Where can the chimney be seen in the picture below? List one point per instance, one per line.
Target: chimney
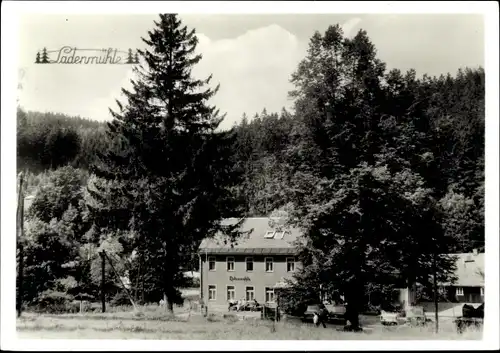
(474, 252)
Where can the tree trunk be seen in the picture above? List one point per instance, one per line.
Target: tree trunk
(352, 315)
(354, 306)
(168, 300)
(168, 292)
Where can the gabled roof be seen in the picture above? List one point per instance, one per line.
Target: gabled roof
(470, 270)
(253, 239)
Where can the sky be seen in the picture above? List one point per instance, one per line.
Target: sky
(431, 44)
(252, 57)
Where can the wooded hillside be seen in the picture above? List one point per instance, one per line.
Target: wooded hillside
(362, 153)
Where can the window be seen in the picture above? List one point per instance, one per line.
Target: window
(269, 295)
(482, 291)
(230, 293)
(212, 292)
(279, 235)
(211, 263)
(230, 263)
(269, 234)
(269, 264)
(460, 291)
(250, 293)
(290, 264)
(249, 262)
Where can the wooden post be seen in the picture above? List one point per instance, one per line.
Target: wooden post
(118, 276)
(436, 305)
(20, 281)
(200, 267)
(276, 311)
(20, 239)
(277, 305)
(103, 281)
(142, 280)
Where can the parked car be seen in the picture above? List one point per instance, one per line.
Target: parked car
(251, 306)
(320, 309)
(244, 306)
(471, 317)
(336, 312)
(392, 317)
(309, 313)
(413, 315)
(371, 310)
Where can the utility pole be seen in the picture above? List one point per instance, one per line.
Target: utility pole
(20, 239)
(118, 276)
(436, 305)
(200, 268)
(103, 281)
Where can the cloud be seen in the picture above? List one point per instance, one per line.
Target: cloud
(253, 71)
(349, 26)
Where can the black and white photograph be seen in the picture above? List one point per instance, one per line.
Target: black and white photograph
(324, 173)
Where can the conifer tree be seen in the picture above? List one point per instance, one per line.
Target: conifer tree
(170, 161)
(130, 58)
(45, 56)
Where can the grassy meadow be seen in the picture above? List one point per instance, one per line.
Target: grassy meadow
(153, 323)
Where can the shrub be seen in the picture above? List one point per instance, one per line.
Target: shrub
(53, 302)
(230, 318)
(294, 302)
(121, 298)
(213, 318)
(195, 282)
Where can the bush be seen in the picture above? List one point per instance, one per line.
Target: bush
(294, 303)
(231, 318)
(53, 302)
(213, 318)
(195, 282)
(121, 298)
(370, 309)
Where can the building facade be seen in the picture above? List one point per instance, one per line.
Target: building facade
(266, 254)
(467, 288)
(469, 284)
(249, 269)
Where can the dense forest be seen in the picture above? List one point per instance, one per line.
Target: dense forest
(364, 152)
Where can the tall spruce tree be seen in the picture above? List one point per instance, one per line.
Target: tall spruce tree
(171, 163)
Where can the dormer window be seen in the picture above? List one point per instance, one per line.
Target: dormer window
(269, 234)
(279, 235)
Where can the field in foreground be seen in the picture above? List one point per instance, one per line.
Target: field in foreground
(109, 326)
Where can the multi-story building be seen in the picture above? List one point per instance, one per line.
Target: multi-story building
(251, 267)
(266, 254)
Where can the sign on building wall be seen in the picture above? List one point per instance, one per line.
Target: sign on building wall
(246, 279)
